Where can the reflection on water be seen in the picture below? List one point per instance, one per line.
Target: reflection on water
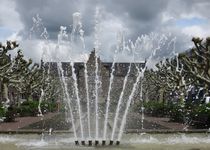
(129, 141)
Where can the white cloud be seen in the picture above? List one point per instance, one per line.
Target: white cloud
(110, 27)
(198, 31)
(50, 51)
(14, 37)
(126, 17)
(166, 17)
(9, 18)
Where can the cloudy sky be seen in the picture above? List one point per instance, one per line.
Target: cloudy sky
(151, 20)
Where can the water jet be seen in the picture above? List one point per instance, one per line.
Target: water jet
(90, 143)
(76, 142)
(103, 142)
(111, 142)
(96, 142)
(83, 142)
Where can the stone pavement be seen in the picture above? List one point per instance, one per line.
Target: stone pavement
(165, 122)
(153, 123)
(21, 122)
(133, 123)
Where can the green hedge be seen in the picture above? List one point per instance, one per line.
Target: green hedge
(30, 108)
(197, 115)
(177, 112)
(155, 108)
(200, 116)
(2, 111)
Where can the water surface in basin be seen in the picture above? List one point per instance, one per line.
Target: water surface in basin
(129, 142)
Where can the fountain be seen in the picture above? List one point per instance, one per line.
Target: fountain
(73, 102)
(70, 100)
(118, 105)
(96, 113)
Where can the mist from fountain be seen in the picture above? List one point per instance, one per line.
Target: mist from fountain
(142, 105)
(77, 24)
(63, 92)
(39, 28)
(77, 99)
(141, 43)
(68, 99)
(88, 99)
(140, 74)
(119, 103)
(147, 42)
(187, 88)
(40, 101)
(108, 99)
(62, 42)
(97, 80)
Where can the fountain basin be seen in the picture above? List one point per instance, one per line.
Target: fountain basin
(174, 141)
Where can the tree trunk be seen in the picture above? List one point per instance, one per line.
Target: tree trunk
(147, 96)
(161, 93)
(5, 94)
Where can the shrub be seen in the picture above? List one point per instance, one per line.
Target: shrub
(177, 112)
(157, 109)
(48, 107)
(195, 115)
(30, 108)
(200, 116)
(2, 111)
(10, 114)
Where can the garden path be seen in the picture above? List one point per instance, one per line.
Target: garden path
(21, 122)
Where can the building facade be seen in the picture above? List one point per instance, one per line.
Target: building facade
(104, 73)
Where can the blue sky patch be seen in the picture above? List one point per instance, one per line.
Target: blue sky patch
(190, 22)
(5, 32)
